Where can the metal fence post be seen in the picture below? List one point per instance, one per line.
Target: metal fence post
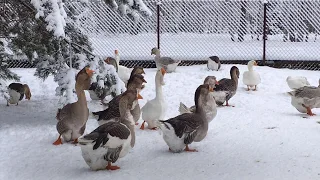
(158, 24)
(265, 3)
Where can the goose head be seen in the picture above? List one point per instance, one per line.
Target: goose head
(136, 82)
(112, 61)
(137, 70)
(155, 51)
(211, 80)
(251, 64)
(201, 94)
(83, 78)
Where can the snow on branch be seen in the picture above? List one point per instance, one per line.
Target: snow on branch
(53, 13)
(66, 79)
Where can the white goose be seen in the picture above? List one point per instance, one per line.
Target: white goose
(251, 78)
(156, 108)
(297, 82)
(123, 72)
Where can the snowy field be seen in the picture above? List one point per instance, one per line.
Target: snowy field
(262, 137)
(192, 46)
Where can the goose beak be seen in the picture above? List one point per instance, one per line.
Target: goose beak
(139, 96)
(217, 83)
(163, 71)
(89, 72)
(211, 89)
(143, 80)
(255, 63)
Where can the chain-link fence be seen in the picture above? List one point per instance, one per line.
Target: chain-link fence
(284, 33)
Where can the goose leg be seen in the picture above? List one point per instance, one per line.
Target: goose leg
(309, 112)
(17, 104)
(190, 150)
(227, 104)
(110, 167)
(7, 103)
(58, 141)
(255, 87)
(75, 141)
(142, 125)
(248, 88)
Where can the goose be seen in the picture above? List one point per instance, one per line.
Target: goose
(16, 93)
(123, 72)
(72, 118)
(156, 108)
(167, 63)
(182, 130)
(251, 78)
(227, 88)
(112, 113)
(210, 107)
(296, 82)
(306, 98)
(113, 140)
(214, 63)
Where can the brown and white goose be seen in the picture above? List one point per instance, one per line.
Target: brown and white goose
(227, 88)
(16, 92)
(210, 107)
(112, 113)
(72, 118)
(112, 140)
(182, 130)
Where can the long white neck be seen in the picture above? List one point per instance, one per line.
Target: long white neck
(158, 87)
(157, 55)
(250, 67)
(117, 58)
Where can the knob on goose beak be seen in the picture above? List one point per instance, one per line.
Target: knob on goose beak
(163, 71)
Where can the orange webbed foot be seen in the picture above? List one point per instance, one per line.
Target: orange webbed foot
(58, 141)
(75, 141)
(309, 112)
(110, 167)
(190, 150)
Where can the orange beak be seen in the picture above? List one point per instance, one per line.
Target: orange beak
(255, 63)
(217, 83)
(89, 72)
(163, 71)
(211, 89)
(139, 96)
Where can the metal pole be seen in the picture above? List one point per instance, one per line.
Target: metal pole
(158, 24)
(264, 32)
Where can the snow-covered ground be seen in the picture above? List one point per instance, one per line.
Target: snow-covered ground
(262, 137)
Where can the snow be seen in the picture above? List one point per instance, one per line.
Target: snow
(54, 14)
(262, 137)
